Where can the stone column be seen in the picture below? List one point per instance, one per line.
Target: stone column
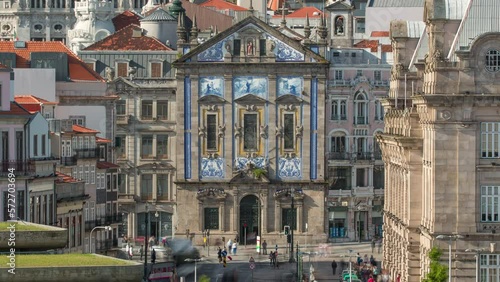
(222, 215)
(300, 216)
(235, 212)
(264, 213)
(200, 215)
(277, 216)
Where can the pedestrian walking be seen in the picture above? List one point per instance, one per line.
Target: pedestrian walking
(141, 251)
(235, 246)
(219, 254)
(153, 256)
(271, 254)
(224, 255)
(334, 267)
(373, 245)
(229, 245)
(371, 279)
(379, 245)
(131, 252)
(264, 247)
(398, 278)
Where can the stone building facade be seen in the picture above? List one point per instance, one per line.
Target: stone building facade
(249, 108)
(441, 150)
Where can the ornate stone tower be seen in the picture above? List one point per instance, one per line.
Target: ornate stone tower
(93, 23)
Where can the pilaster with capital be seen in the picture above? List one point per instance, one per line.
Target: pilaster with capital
(235, 211)
(264, 212)
(277, 216)
(222, 215)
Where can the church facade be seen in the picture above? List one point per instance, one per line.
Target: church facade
(440, 146)
(249, 106)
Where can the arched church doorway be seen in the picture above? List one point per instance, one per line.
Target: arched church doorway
(249, 220)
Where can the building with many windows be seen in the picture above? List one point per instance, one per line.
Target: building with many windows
(249, 107)
(440, 148)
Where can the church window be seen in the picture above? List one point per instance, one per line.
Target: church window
(490, 139)
(288, 131)
(250, 132)
(211, 218)
(211, 132)
(237, 47)
(493, 60)
(490, 208)
(289, 217)
(262, 47)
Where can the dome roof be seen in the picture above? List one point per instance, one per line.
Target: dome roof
(159, 15)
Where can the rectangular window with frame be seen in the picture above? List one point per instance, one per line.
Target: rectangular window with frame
(146, 186)
(162, 146)
(147, 146)
(359, 73)
(122, 183)
(20, 205)
(122, 69)
(35, 145)
(121, 107)
(289, 217)
(490, 207)
(162, 109)
(378, 177)
(490, 139)
(250, 125)
(360, 177)
(339, 109)
(288, 131)
(147, 110)
(360, 25)
(377, 75)
(211, 132)
(489, 267)
(5, 145)
(237, 47)
(339, 75)
(156, 70)
(338, 144)
(92, 174)
(120, 146)
(340, 178)
(211, 218)
(108, 182)
(162, 186)
(20, 145)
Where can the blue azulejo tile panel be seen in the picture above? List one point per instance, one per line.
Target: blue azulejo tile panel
(213, 54)
(290, 168)
(241, 163)
(290, 85)
(211, 85)
(285, 53)
(256, 85)
(212, 168)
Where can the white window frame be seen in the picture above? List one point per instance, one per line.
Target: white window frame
(86, 175)
(492, 60)
(489, 267)
(92, 174)
(338, 75)
(150, 67)
(490, 140)
(490, 203)
(379, 111)
(338, 105)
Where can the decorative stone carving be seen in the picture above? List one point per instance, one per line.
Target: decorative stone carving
(299, 130)
(110, 74)
(263, 131)
(446, 115)
(238, 131)
(212, 108)
(251, 108)
(279, 131)
(222, 130)
(202, 131)
(290, 108)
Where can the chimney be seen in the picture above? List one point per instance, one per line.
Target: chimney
(137, 32)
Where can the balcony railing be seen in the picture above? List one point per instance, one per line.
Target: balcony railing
(363, 156)
(339, 117)
(87, 153)
(360, 120)
(68, 161)
(339, 156)
(19, 168)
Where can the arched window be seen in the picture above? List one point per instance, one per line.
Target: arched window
(339, 25)
(360, 108)
(493, 60)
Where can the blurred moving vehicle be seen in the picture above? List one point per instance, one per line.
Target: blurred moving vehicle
(182, 249)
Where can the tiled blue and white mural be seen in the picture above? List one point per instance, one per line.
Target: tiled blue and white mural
(290, 85)
(211, 85)
(255, 85)
(241, 163)
(212, 168)
(289, 168)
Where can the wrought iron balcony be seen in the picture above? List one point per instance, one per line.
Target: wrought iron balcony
(339, 156)
(360, 120)
(68, 161)
(89, 153)
(363, 155)
(18, 168)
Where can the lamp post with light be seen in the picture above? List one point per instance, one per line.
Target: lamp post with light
(477, 253)
(449, 238)
(107, 228)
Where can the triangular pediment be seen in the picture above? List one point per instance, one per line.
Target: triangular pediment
(211, 99)
(250, 99)
(123, 84)
(289, 99)
(237, 39)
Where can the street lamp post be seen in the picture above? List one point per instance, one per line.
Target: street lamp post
(107, 228)
(157, 215)
(477, 253)
(294, 221)
(449, 238)
(146, 244)
(195, 261)
(350, 265)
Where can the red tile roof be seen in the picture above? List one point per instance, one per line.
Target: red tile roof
(380, 34)
(387, 48)
(77, 68)
(372, 44)
(15, 109)
(106, 165)
(123, 40)
(31, 99)
(125, 19)
(312, 12)
(222, 5)
(81, 129)
(102, 140)
(64, 178)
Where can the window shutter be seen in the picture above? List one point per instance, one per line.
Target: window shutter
(156, 70)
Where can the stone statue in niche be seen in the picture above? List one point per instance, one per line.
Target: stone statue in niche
(339, 25)
(250, 47)
(270, 45)
(222, 130)
(228, 48)
(110, 74)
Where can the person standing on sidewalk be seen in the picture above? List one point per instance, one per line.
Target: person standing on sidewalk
(141, 251)
(373, 245)
(264, 247)
(334, 267)
(235, 246)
